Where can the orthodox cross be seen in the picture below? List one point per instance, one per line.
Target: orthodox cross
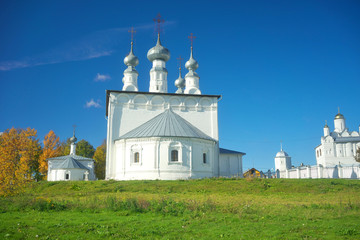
(191, 38)
(338, 109)
(179, 60)
(132, 31)
(158, 21)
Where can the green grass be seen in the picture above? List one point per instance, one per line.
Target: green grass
(194, 209)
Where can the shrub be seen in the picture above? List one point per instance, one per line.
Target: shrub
(42, 204)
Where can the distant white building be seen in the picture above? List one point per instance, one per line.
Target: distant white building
(282, 162)
(71, 167)
(339, 146)
(335, 156)
(161, 135)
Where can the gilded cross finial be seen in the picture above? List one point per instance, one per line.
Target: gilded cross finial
(179, 61)
(191, 37)
(338, 109)
(132, 31)
(158, 21)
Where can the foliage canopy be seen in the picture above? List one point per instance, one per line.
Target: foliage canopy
(100, 160)
(19, 159)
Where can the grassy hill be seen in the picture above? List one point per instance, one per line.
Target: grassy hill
(194, 209)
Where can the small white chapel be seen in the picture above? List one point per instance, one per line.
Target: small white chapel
(161, 135)
(71, 167)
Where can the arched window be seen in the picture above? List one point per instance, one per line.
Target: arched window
(67, 176)
(204, 158)
(174, 156)
(136, 157)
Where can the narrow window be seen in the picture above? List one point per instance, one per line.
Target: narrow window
(67, 176)
(136, 157)
(174, 156)
(204, 157)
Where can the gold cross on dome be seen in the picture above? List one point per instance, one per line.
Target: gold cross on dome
(132, 31)
(158, 21)
(191, 37)
(179, 61)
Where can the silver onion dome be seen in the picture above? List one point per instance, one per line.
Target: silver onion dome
(131, 59)
(191, 64)
(158, 52)
(73, 139)
(180, 82)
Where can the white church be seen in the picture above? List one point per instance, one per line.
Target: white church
(335, 156)
(161, 135)
(71, 167)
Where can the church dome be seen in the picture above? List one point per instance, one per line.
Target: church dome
(131, 59)
(191, 64)
(282, 154)
(158, 52)
(339, 116)
(180, 82)
(73, 139)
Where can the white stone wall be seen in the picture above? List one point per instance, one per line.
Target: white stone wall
(155, 159)
(59, 174)
(352, 172)
(230, 165)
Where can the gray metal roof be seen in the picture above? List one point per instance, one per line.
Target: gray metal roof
(73, 156)
(227, 151)
(67, 163)
(347, 139)
(166, 124)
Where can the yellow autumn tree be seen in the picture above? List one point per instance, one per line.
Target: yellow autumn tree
(52, 148)
(19, 156)
(100, 160)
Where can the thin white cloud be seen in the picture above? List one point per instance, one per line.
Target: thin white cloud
(92, 103)
(95, 45)
(10, 65)
(102, 77)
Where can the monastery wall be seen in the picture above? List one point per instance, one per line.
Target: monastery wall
(349, 172)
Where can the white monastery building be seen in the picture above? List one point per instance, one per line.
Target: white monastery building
(161, 135)
(339, 146)
(71, 167)
(335, 156)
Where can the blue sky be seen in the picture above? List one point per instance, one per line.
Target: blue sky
(282, 67)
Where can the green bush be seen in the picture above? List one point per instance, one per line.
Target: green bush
(42, 204)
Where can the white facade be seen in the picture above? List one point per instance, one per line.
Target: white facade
(129, 110)
(230, 163)
(161, 135)
(339, 146)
